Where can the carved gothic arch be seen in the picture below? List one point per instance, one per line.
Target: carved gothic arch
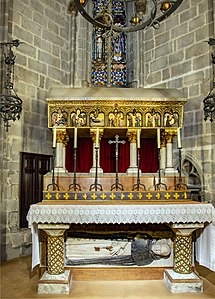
(194, 175)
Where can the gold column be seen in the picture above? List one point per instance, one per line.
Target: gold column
(55, 246)
(182, 247)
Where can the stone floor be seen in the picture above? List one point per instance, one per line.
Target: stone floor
(17, 281)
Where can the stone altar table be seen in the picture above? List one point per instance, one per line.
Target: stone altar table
(55, 217)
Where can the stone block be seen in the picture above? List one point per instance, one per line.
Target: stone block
(16, 239)
(200, 62)
(188, 14)
(23, 35)
(42, 44)
(177, 31)
(37, 67)
(55, 284)
(195, 50)
(40, 19)
(197, 22)
(183, 283)
(176, 57)
(181, 69)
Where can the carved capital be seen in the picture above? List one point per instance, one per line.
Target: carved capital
(169, 134)
(62, 136)
(93, 134)
(131, 134)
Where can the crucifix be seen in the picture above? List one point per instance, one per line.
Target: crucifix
(117, 185)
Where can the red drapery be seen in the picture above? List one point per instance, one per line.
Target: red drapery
(84, 162)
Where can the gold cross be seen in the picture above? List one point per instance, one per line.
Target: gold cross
(85, 196)
(103, 196)
(167, 195)
(176, 195)
(122, 196)
(57, 196)
(130, 196)
(112, 196)
(140, 196)
(158, 195)
(66, 196)
(149, 195)
(48, 196)
(185, 195)
(94, 196)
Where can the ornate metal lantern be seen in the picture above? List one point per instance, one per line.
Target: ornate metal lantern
(10, 103)
(209, 101)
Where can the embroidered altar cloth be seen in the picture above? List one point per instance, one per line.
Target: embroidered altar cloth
(123, 213)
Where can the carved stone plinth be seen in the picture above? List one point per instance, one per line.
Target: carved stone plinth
(183, 283)
(55, 284)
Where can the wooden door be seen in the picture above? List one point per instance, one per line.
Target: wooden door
(32, 169)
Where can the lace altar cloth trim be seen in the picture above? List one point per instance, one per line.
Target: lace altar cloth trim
(155, 213)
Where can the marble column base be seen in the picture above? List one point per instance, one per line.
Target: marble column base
(55, 284)
(183, 283)
(171, 171)
(132, 170)
(93, 170)
(60, 170)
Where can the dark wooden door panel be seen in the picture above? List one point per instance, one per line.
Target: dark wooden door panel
(32, 169)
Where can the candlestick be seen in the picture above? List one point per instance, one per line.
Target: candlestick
(97, 137)
(54, 137)
(158, 138)
(75, 137)
(179, 137)
(138, 138)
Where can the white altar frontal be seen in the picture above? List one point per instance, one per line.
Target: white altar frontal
(142, 208)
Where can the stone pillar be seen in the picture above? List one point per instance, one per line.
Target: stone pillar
(93, 135)
(169, 135)
(62, 138)
(55, 280)
(132, 138)
(182, 278)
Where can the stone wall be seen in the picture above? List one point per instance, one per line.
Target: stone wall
(42, 61)
(178, 56)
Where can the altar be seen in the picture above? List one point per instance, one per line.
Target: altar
(133, 192)
(56, 218)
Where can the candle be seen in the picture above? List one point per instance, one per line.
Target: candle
(179, 137)
(97, 137)
(75, 137)
(158, 138)
(54, 137)
(138, 138)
